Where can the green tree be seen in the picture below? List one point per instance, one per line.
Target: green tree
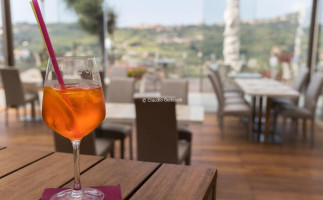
(90, 17)
(112, 23)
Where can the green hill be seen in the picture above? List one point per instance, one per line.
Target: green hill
(143, 43)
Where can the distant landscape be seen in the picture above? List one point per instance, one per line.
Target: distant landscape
(142, 43)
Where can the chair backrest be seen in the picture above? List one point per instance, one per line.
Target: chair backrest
(218, 81)
(313, 91)
(218, 92)
(12, 85)
(121, 90)
(176, 88)
(223, 71)
(157, 136)
(119, 72)
(63, 144)
(218, 78)
(301, 80)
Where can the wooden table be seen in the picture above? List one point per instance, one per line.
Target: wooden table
(125, 113)
(262, 88)
(25, 175)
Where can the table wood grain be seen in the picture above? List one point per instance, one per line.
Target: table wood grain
(138, 180)
(14, 159)
(50, 172)
(178, 182)
(129, 174)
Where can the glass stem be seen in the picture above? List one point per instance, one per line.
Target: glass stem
(77, 181)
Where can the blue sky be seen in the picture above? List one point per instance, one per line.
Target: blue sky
(159, 12)
(166, 12)
(55, 11)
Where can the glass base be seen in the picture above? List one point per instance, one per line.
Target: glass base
(84, 194)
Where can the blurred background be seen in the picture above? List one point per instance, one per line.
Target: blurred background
(186, 33)
(171, 38)
(145, 31)
(155, 41)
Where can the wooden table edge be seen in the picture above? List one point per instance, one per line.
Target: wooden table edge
(272, 96)
(212, 187)
(268, 96)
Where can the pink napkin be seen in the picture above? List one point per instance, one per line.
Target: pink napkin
(110, 192)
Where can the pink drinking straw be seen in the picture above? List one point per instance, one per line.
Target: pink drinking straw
(43, 30)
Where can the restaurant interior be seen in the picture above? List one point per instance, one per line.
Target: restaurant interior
(210, 99)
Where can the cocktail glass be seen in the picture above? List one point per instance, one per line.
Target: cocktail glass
(74, 111)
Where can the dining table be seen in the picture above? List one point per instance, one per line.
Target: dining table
(265, 88)
(125, 113)
(25, 174)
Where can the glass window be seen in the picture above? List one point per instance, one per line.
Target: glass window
(1, 39)
(153, 34)
(274, 37)
(273, 34)
(319, 57)
(67, 36)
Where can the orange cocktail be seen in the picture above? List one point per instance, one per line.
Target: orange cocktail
(74, 111)
(73, 106)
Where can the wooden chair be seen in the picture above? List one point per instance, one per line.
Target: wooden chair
(229, 97)
(228, 93)
(225, 108)
(15, 93)
(121, 90)
(307, 112)
(157, 135)
(299, 85)
(175, 88)
(89, 145)
(280, 103)
(119, 72)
